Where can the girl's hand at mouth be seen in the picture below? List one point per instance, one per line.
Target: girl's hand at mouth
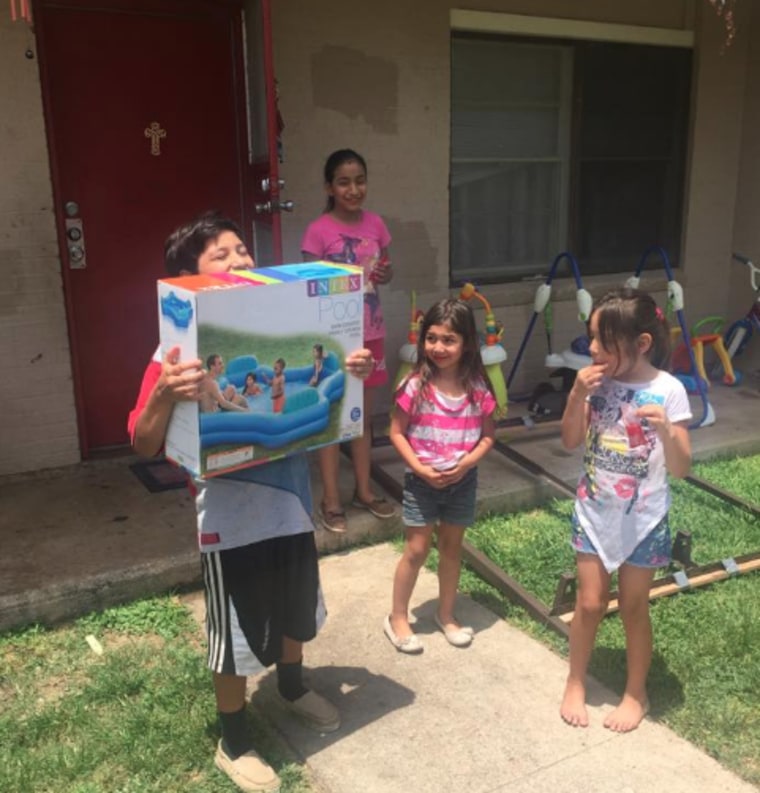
(589, 379)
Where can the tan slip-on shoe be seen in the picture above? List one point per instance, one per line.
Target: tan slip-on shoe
(379, 507)
(459, 637)
(248, 771)
(411, 645)
(333, 520)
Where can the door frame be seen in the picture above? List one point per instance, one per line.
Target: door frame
(264, 221)
(238, 78)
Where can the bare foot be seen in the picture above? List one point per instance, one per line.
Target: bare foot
(573, 707)
(627, 715)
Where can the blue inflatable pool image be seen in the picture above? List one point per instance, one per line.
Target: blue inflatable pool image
(306, 410)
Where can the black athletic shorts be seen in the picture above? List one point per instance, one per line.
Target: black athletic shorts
(255, 595)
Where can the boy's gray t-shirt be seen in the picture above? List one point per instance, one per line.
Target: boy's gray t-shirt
(254, 504)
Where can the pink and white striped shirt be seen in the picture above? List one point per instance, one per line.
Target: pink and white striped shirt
(443, 429)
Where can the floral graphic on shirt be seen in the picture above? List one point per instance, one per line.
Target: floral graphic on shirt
(618, 446)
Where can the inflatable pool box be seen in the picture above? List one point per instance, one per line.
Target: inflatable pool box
(287, 309)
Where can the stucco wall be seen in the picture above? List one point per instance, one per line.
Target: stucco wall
(37, 416)
(379, 82)
(719, 93)
(747, 228)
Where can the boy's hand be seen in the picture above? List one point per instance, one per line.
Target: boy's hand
(179, 380)
(360, 363)
(589, 379)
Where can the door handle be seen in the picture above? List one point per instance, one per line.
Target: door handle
(269, 207)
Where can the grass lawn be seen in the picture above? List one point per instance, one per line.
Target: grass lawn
(705, 677)
(138, 718)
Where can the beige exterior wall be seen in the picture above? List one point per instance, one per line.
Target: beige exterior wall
(379, 82)
(37, 417)
(719, 91)
(747, 228)
(375, 77)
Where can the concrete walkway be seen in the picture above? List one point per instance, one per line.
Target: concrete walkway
(481, 720)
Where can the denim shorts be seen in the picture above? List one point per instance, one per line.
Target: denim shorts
(425, 505)
(653, 551)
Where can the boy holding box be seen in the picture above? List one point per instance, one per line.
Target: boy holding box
(261, 579)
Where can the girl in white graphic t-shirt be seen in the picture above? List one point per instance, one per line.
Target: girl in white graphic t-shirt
(634, 419)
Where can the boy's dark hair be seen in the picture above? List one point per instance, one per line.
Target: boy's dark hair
(458, 316)
(185, 245)
(334, 161)
(211, 360)
(281, 361)
(623, 315)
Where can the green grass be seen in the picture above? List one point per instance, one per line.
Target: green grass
(297, 349)
(705, 677)
(138, 718)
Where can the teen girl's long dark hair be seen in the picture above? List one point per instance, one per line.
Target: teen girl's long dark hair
(334, 161)
(457, 315)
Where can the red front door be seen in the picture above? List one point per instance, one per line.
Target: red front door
(145, 107)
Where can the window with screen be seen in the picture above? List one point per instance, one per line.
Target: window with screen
(564, 145)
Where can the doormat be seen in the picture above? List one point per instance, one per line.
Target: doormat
(159, 475)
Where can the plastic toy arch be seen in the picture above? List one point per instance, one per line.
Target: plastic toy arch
(492, 352)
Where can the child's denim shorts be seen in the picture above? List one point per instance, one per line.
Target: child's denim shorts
(653, 551)
(425, 505)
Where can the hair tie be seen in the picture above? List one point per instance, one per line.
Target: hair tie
(658, 313)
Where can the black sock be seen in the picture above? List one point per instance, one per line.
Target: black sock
(235, 738)
(290, 680)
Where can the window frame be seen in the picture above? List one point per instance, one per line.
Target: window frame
(562, 32)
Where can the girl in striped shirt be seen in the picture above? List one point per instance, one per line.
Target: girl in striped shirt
(442, 426)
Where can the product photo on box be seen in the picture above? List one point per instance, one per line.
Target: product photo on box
(273, 343)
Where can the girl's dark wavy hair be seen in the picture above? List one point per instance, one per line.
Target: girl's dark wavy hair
(623, 315)
(458, 316)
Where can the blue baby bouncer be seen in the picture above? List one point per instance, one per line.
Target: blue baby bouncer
(675, 304)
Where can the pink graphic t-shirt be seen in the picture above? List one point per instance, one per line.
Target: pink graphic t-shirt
(357, 243)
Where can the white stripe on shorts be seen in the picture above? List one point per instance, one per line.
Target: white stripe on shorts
(217, 612)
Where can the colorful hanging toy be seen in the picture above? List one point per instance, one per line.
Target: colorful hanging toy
(408, 352)
(492, 353)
